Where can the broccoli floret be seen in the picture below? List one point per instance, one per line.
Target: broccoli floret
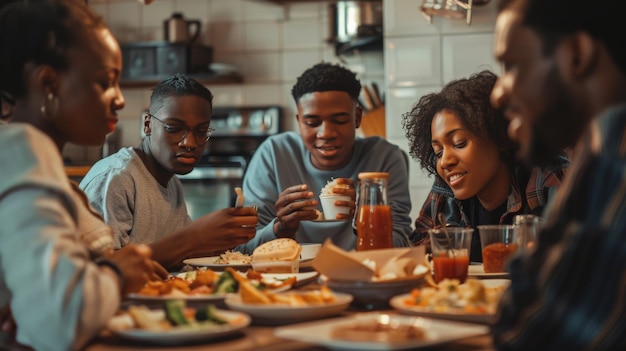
(175, 312)
(226, 283)
(209, 313)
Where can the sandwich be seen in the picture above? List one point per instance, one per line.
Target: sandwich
(277, 256)
(283, 249)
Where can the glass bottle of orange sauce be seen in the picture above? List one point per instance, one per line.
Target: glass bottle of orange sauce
(373, 220)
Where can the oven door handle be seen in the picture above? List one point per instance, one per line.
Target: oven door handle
(208, 173)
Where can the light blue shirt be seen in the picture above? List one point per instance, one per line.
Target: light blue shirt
(282, 161)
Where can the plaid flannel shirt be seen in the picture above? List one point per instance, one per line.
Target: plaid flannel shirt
(538, 187)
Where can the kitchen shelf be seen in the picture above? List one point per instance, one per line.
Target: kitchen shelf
(206, 79)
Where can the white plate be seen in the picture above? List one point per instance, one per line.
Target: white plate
(301, 279)
(210, 263)
(437, 332)
(189, 298)
(397, 302)
(283, 314)
(237, 321)
(477, 271)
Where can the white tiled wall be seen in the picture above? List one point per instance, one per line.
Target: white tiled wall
(421, 57)
(270, 44)
(273, 44)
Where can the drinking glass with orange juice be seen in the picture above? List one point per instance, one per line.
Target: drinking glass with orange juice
(373, 217)
(450, 250)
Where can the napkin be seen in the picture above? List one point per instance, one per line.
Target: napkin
(366, 266)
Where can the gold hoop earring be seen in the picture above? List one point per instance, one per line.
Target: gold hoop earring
(48, 112)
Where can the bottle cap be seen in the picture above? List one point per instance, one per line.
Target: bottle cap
(373, 175)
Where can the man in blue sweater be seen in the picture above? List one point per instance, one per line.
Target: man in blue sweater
(288, 171)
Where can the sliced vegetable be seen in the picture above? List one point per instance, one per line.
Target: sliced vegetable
(175, 312)
(226, 283)
(209, 314)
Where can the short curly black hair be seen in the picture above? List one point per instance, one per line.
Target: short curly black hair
(326, 77)
(467, 98)
(178, 85)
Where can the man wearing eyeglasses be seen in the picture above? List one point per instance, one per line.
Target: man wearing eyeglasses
(138, 195)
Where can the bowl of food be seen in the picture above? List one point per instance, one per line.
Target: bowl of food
(374, 295)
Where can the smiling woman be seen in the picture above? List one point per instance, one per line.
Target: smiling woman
(458, 136)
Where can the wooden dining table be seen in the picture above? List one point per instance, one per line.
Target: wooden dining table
(262, 338)
(253, 338)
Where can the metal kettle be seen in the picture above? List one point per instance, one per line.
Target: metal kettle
(179, 30)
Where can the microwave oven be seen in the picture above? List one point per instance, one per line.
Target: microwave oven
(160, 59)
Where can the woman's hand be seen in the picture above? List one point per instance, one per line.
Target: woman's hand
(136, 266)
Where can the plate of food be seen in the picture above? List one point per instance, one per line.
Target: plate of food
(279, 250)
(379, 331)
(478, 271)
(474, 301)
(205, 285)
(233, 259)
(287, 307)
(176, 324)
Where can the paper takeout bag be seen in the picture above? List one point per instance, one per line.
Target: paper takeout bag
(338, 264)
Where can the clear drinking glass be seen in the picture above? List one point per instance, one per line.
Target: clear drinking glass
(450, 249)
(527, 230)
(498, 242)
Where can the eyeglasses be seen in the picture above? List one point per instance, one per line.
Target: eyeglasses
(177, 132)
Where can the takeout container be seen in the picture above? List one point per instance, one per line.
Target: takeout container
(309, 250)
(330, 209)
(372, 277)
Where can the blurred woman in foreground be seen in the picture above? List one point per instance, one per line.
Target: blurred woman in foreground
(59, 75)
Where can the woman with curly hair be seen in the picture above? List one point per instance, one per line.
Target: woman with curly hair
(458, 137)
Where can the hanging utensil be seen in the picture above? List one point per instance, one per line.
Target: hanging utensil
(369, 100)
(376, 95)
(362, 104)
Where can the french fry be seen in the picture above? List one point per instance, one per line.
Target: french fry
(240, 198)
(250, 294)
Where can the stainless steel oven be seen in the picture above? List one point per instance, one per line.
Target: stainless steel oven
(238, 133)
